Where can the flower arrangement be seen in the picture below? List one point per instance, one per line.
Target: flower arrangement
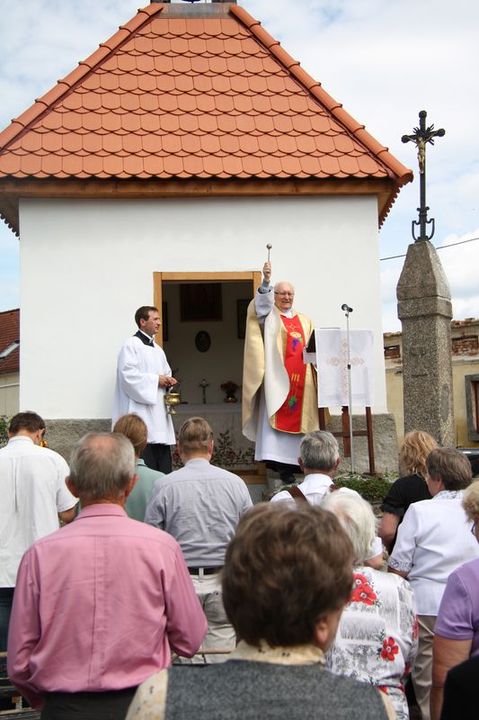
(229, 388)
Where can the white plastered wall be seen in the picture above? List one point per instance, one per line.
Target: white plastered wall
(86, 265)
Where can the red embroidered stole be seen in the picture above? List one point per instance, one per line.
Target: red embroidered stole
(288, 417)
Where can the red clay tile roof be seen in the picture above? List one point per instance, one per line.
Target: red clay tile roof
(210, 95)
(9, 333)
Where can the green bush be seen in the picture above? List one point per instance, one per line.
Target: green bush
(4, 422)
(371, 487)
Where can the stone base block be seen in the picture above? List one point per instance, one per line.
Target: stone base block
(62, 435)
(384, 440)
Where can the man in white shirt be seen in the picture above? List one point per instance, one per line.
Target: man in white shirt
(35, 499)
(143, 376)
(319, 461)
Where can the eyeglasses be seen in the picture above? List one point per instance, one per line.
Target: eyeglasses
(284, 294)
(473, 528)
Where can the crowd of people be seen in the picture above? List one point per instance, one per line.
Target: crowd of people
(117, 572)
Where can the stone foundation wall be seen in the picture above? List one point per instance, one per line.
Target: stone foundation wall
(63, 434)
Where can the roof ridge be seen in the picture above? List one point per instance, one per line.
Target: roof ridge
(67, 83)
(400, 171)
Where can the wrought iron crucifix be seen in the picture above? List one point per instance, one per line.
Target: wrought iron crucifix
(420, 137)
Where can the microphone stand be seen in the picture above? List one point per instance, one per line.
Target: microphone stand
(347, 310)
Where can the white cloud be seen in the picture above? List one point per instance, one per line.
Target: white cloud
(460, 265)
(459, 262)
(43, 40)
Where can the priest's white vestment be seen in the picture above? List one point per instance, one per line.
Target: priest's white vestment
(137, 390)
(266, 383)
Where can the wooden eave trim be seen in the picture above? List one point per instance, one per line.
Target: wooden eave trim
(9, 212)
(71, 188)
(11, 190)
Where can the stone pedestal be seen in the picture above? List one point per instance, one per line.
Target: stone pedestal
(424, 308)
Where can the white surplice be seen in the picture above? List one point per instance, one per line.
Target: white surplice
(137, 390)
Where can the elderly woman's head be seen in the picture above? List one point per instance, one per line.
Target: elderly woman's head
(357, 518)
(287, 575)
(470, 502)
(447, 469)
(413, 452)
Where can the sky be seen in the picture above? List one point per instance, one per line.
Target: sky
(384, 61)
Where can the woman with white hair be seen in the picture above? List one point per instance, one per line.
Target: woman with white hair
(376, 640)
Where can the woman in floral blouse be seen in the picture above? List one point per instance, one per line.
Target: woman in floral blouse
(377, 637)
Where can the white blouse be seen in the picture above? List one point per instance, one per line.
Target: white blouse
(433, 539)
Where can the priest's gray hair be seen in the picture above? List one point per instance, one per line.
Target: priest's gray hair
(356, 516)
(279, 284)
(101, 465)
(319, 450)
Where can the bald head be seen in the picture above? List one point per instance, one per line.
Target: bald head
(101, 467)
(283, 295)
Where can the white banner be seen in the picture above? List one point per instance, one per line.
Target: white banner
(332, 364)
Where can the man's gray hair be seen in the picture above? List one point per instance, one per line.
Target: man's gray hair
(319, 450)
(356, 516)
(101, 465)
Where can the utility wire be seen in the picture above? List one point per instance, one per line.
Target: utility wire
(439, 247)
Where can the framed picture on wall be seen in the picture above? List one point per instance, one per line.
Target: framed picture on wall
(241, 310)
(200, 301)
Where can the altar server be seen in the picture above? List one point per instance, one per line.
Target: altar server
(143, 375)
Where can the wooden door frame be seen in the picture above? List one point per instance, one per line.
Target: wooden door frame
(253, 276)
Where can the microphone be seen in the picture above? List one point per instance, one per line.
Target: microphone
(345, 308)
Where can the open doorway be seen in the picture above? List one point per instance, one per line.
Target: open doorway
(203, 320)
(206, 344)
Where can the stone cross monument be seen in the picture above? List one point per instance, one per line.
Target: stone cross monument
(425, 311)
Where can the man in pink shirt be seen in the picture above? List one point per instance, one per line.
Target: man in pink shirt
(99, 603)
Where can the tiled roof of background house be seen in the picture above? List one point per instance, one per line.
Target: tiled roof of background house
(176, 94)
(9, 341)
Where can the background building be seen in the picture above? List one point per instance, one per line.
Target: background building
(9, 362)
(465, 370)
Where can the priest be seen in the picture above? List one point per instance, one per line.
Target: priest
(143, 375)
(279, 390)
